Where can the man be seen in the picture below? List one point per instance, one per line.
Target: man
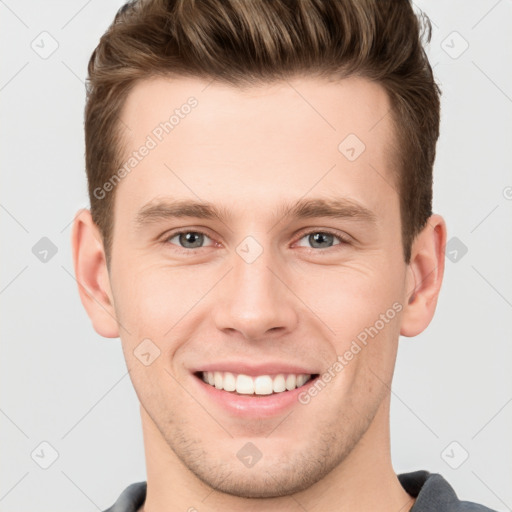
(260, 234)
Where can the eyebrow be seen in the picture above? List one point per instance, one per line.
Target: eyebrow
(302, 209)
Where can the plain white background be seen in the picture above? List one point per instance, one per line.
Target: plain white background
(64, 385)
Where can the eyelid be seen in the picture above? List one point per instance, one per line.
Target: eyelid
(343, 238)
(172, 233)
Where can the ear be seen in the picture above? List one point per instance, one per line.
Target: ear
(425, 275)
(92, 275)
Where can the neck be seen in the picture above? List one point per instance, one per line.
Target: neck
(364, 481)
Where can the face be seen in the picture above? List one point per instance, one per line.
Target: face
(264, 287)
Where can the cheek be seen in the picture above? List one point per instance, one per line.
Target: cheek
(151, 300)
(351, 297)
(360, 307)
(152, 304)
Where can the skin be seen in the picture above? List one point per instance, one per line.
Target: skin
(249, 151)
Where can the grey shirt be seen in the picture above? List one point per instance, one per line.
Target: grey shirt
(432, 492)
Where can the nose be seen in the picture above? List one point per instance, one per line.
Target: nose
(254, 299)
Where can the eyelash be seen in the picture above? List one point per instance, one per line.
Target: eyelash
(190, 252)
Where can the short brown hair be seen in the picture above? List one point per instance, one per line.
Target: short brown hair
(249, 42)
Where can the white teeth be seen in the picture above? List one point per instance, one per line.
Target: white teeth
(229, 382)
(279, 384)
(244, 385)
(218, 380)
(260, 385)
(263, 385)
(301, 379)
(291, 382)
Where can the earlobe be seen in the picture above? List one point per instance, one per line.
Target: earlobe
(92, 275)
(425, 276)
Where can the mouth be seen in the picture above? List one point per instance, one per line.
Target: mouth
(255, 386)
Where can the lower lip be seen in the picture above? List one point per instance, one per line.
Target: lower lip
(251, 406)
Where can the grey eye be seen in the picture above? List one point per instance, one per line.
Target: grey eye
(320, 239)
(188, 239)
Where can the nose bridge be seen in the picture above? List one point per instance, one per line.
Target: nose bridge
(252, 299)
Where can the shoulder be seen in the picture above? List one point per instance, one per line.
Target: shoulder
(131, 499)
(434, 493)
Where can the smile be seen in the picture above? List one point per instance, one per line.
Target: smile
(242, 384)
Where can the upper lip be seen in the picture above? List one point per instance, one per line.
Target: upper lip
(253, 370)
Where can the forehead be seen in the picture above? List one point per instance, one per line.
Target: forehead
(249, 147)
(338, 106)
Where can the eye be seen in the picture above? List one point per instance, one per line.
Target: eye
(187, 239)
(323, 239)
